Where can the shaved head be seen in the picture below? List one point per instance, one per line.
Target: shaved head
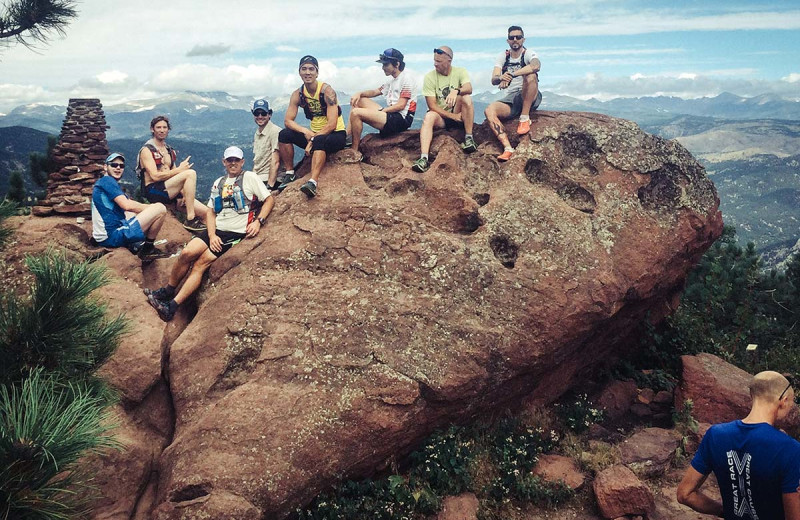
(768, 386)
(447, 49)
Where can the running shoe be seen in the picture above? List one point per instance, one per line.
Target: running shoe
(469, 145)
(310, 189)
(506, 155)
(524, 127)
(421, 165)
(163, 308)
(195, 225)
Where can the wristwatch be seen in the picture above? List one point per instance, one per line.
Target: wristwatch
(261, 220)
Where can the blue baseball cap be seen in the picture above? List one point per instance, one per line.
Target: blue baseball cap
(261, 104)
(113, 156)
(390, 55)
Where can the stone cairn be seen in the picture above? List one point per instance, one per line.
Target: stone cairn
(80, 152)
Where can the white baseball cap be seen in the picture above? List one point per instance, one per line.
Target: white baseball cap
(233, 151)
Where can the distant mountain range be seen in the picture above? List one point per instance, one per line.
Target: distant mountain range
(750, 146)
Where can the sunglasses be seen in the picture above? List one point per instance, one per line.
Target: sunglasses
(440, 51)
(117, 165)
(260, 113)
(232, 160)
(516, 37)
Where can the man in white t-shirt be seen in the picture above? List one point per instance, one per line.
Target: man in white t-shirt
(265, 144)
(232, 218)
(517, 72)
(399, 94)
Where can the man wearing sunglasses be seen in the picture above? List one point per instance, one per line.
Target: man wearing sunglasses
(327, 133)
(516, 72)
(119, 221)
(398, 93)
(232, 217)
(265, 144)
(447, 92)
(756, 465)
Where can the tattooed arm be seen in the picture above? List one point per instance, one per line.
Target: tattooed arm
(333, 110)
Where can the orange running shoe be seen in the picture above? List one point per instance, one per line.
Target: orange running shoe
(506, 155)
(524, 127)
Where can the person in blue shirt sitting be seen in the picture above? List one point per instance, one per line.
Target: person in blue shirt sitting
(118, 220)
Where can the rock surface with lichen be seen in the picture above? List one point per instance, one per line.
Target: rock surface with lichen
(395, 303)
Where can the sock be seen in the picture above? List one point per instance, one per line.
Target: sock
(508, 149)
(312, 181)
(524, 118)
(424, 156)
(289, 172)
(467, 136)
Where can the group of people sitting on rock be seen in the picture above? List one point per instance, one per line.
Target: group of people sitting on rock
(241, 200)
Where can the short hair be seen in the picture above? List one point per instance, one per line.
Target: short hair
(158, 119)
(768, 385)
(516, 28)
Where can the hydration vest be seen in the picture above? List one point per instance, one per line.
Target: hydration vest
(157, 157)
(508, 60)
(236, 201)
(307, 109)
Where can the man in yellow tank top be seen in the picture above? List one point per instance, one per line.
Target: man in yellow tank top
(327, 132)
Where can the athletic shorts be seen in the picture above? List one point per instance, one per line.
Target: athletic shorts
(395, 123)
(452, 124)
(514, 100)
(157, 192)
(328, 143)
(129, 232)
(229, 239)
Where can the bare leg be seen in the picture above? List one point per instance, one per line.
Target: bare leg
(368, 112)
(286, 152)
(494, 113)
(186, 183)
(193, 250)
(530, 89)
(195, 277)
(151, 219)
(317, 163)
(432, 120)
(467, 112)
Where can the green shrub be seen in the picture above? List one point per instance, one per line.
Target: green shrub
(45, 426)
(7, 209)
(444, 461)
(578, 414)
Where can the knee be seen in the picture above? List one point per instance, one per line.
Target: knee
(191, 174)
(489, 112)
(356, 113)
(466, 100)
(430, 119)
(160, 208)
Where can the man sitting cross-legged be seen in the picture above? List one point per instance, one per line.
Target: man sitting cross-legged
(230, 219)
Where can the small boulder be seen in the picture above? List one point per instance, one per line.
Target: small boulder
(555, 468)
(460, 507)
(718, 390)
(619, 492)
(650, 451)
(616, 398)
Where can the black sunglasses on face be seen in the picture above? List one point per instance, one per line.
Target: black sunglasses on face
(260, 113)
(440, 51)
(117, 165)
(233, 160)
(785, 390)
(516, 37)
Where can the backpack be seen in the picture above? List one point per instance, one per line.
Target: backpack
(508, 60)
(307, 109)
(157, 157)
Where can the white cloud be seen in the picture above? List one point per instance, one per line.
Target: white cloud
(112, 76)
(794, 77)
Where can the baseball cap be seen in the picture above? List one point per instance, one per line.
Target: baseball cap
(233, 151)
(390, 55)
(114, 156)
(261, 104)
(308, 59)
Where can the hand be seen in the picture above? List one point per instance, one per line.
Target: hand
(451, 99)
(215, 243)
(253, 228)
(308, 147)
(354, 100)
(308, 133)
(507, 77)
(503, 84)
(185, 164)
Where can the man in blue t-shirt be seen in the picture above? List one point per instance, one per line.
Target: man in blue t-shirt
(119, 221)
(756, 465)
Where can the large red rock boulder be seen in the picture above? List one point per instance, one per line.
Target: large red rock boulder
(394, 303)
(718, 390)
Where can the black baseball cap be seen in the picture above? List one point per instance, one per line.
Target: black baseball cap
(308, 59)
(390, 55)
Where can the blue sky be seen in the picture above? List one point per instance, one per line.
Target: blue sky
(588, 48)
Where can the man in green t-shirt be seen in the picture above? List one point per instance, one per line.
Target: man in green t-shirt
(447, 91)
